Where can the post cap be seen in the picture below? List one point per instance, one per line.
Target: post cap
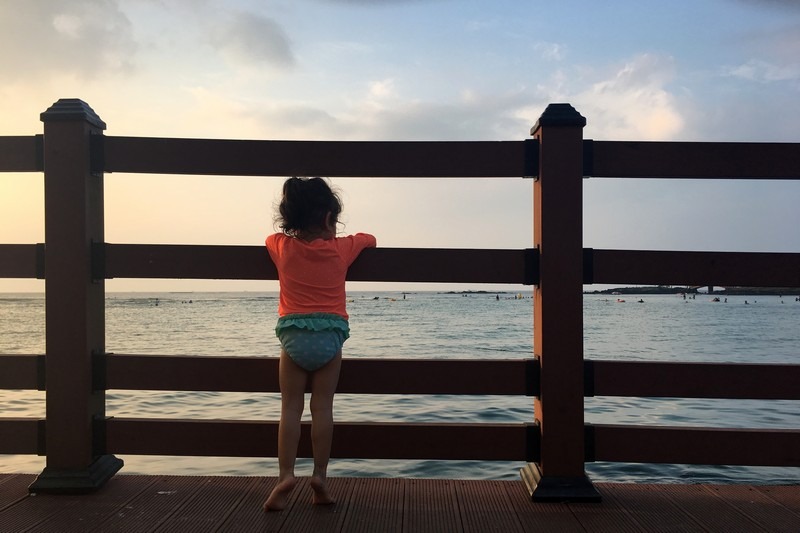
(559, 115)
(72, 109)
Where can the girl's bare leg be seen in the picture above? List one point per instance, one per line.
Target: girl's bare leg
(293, 385)
(323, 386)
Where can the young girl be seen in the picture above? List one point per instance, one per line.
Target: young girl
(312, 325)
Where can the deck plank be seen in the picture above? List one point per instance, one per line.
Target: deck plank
(89, 511)
(650, 508)
(22, 511)
(303, 516)
(248, 514)
(430, 506)
(153, 505)
(610, 515)
(207, 507)
(13, 487)
(375, 505)
(786, 495)
(33, 512)
(484, 507)
(29, 511)
(758, 507)
(709, 509)
(535, 516)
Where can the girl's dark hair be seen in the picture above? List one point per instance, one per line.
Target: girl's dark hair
(305, 204)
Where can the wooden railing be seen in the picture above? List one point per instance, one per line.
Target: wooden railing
(79, 440)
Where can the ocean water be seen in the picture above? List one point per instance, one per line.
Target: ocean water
(433, 325)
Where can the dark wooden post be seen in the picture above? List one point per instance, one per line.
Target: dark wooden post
(558, 309)
(75, 313)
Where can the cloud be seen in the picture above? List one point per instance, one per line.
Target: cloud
(39, 38)
(773, 54)
(389, 115)
(297, 121)
(251, 39)
(625, 102)
(550, 51)
(382, 112)
(764, 72)
(629, 101)
(633, 103)
(382, 88)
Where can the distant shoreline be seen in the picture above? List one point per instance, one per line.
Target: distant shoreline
(728, 291)
(642, 290)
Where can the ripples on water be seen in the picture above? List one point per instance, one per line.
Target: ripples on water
(424, 326)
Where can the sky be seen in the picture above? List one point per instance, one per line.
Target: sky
(717, 70)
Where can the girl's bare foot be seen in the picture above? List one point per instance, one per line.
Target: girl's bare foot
(321, 494)
(279, 496)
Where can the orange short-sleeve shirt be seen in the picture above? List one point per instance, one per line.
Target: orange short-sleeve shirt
(312, 274)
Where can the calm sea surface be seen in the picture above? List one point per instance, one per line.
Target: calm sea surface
(433, 325)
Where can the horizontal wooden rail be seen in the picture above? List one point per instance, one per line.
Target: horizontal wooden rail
(641, 267)
(183, 261)
(23, 436)
(361, 376)
(22, 261)
(706, 160)
(378, 264)
(729, 269)
(693, 445)
(21, 154)
(316, 158)
(749, 269)
(478, 377)
(692, 380)
(365, 440)
(369, 440)
(22, 372)
(619, 159)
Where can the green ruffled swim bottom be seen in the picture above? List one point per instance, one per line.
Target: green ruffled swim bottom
(312, 340)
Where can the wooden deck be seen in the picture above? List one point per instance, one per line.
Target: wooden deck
(198, 504)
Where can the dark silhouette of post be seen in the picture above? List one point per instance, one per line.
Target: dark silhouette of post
(75, 300)
(558, 310)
